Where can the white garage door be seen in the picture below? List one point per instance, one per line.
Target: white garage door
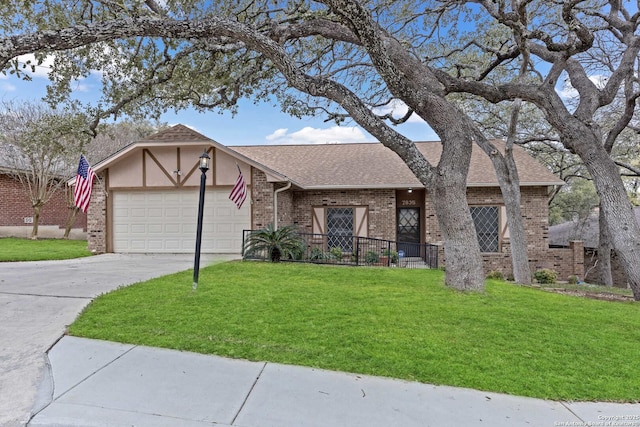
(166, 221)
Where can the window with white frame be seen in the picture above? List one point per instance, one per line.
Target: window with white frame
(487, 222)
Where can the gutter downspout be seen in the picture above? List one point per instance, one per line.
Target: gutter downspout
(275, 203)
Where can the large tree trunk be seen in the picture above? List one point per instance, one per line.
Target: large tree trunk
(615, 206)
(604, 253)
(517, 235)
(461, 249)
(507, 174)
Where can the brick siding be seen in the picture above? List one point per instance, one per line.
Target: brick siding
(97, 217)
(381, 208)
(15, 206)
(295, 207)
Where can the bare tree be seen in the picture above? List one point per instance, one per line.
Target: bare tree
(111, 137)
(38, 145)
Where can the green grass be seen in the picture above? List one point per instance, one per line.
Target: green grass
(391, 322)
(12, 249)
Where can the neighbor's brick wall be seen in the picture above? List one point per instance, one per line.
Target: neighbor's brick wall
(97, 216)
(381, 204)
(15, 206)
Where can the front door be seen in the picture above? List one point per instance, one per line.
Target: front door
(409, 231)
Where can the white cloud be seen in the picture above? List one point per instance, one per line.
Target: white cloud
(7, 87)
(309, 135)
(398, 109)
(567, 91)
(41, 70)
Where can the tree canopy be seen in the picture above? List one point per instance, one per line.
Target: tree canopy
(358, 59)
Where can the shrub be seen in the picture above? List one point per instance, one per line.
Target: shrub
(546, 276)
(393, 255)
(336, 253)
(285, 242)
(317, 254)
(495, 274)
(573, 280)
(371, 257)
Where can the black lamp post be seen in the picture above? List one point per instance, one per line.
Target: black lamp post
(204, 167)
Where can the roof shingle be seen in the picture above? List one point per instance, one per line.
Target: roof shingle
(373, 165)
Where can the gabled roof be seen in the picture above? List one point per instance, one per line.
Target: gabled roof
(372, 165)
(177, 133)
(587, 230)
(365, 165)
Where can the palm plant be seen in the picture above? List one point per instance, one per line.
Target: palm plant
(284, 242)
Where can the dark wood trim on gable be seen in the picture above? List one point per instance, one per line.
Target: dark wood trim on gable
(147, 152)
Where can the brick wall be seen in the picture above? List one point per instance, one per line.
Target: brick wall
(97, 217)
(261, 199)
(295, 207)
(15, 206)
(285, 207)
(381, 204)
(566, 262)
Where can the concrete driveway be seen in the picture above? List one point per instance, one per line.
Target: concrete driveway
(38, 300)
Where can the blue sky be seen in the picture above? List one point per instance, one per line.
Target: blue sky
(253, 125)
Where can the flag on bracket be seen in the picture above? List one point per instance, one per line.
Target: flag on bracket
(84, 184)
(239, 191)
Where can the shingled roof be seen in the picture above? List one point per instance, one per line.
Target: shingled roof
(364, 165)
(177, 133)
(587, 230)
(372, 165)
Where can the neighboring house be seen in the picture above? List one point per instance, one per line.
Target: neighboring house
(146, 198)
(588, 231)
(16, 213)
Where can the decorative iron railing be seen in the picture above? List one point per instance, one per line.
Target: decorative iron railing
(353, 250)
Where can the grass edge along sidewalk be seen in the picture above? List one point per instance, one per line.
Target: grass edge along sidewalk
(387, 322)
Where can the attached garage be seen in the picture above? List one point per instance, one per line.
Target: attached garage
(146, 196)
(165, 221)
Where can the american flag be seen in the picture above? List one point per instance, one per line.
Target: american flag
(239, 191)
(84, 183)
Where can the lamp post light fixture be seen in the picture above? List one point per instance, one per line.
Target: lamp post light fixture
(204, 167)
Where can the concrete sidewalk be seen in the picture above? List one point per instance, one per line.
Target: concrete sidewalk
(99, 383)
(39, 299)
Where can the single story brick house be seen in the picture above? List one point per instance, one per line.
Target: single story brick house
(146, 197)
(16, 213)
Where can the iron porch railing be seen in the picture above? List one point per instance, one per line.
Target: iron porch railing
(354, 250)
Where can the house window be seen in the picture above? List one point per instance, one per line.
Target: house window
(340, 228)
(486, 221)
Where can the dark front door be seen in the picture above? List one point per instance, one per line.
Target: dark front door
(409, 231)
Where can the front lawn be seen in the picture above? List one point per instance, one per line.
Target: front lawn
(391, 322)
(12, 249)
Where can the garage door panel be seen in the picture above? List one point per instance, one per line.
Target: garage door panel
(165, 221)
